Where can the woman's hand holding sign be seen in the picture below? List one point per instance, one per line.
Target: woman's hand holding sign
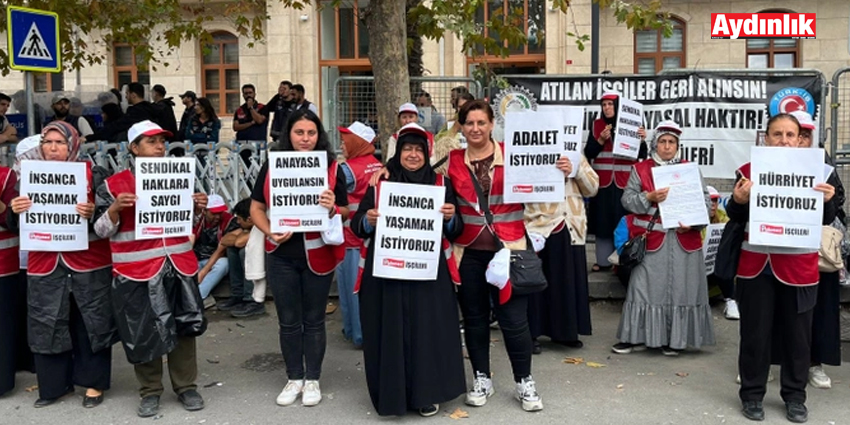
(658, 196)
(741, 192)
(564, 164)
(372, 217)
(328, 200)
(448, 211)
(21, 204)
(827, 189)
(86, 210)
(200, 202)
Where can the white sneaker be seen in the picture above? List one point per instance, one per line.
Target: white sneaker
(312, 393)
(290, 393)
(731, 310)
(818, 378)
(526, 392)
(482, 388)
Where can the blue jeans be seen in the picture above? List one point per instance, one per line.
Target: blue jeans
(240, 288)
(346, 278)
(214, 277)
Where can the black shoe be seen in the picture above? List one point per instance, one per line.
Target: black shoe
(232, 303)
(796, 412)
(753, 410)
(571, 344)
(249, 309)
(191, 400)
(89, 402)
(149, 406)
(430, 410)
(536, 348)
(43, 402)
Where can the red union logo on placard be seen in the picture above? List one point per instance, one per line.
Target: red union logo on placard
(523, 188)
(153, 231)
(773, 230)
(392, 262)
(36, 236)
(763, 25)
(290, 222)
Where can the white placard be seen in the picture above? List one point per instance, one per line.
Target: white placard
(296, 181)
(164, 188)
(629, 120)
(572, 132)
(533, 144)
(52, 223)
(713, 233)
(409, 233)
(685, 201)
(785, 210)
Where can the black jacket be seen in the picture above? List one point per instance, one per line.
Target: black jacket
(139, 112)
(166, 117)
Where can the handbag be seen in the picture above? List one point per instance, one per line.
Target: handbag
(635, 248)
(526, 268)
(829, 253)
(334, 235)
(729, 250)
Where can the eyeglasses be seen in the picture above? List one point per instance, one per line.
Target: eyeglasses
(54, 142)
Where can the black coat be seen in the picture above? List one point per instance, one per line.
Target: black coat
(166, 118)
(139, 112)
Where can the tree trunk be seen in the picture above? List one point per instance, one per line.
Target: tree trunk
(387, 26)
(415, 66)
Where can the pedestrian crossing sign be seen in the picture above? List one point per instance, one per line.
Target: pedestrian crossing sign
(33, 40)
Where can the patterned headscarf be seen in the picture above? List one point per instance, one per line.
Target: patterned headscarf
(665, 128)
(67, 131)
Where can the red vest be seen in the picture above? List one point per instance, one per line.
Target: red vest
(322, 259)
(690, 241)
(797, 269)
(9, 260)
(507, 218)
(362, 167)
(451, 262)
(141, 260)
(42, 263)
(608, 167)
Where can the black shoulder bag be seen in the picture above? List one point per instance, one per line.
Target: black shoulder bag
(635, 248)
(729, 250)
(526, 268)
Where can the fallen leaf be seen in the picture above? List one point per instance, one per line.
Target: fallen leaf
(494, 339)
(620, 387)
(595, 365)
(681, 374)
(459, 414)
(31, 389)
(573, 360)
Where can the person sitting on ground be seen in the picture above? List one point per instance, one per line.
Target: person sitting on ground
(212, 256)
(241, 303)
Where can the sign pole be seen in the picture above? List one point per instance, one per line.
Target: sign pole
(30, 107)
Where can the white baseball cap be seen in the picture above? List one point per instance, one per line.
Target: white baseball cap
(27, 144)
(712, 192)
(215, 204)
(145, 128)
(360, 130)
(805, 119)
(408, 107)
(413, 128)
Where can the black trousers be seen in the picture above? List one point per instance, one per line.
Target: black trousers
(58, 373)
(474, 296)
(769, 310)
(300, 297)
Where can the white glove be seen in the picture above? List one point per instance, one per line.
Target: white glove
(537, 241)
(499, 270)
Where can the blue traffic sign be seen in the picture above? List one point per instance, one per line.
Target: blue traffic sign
(33, 40)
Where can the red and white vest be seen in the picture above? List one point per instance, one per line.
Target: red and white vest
(791, 266)
(690, 241)
(507, 218)
(42, 263)
(608, 167)
(362, 167)
(9, 260)
(451, 262)
(141, 260)
(322, 259)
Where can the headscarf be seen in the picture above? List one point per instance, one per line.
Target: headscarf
(355, 146)
(67, 131)
(665, 128)
(398, 173)
(616, 98)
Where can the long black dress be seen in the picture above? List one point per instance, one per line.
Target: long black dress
(411, 339)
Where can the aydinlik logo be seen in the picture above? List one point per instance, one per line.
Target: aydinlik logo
(763, 25)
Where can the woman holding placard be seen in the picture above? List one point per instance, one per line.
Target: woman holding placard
(480, 168)
(605, 209)
(667, 299)
(411, 341)
(71, 325)
(776, 292)
(300, 266)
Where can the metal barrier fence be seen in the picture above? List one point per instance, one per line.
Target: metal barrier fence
(355, 99)
(840, 111)
(220, 168)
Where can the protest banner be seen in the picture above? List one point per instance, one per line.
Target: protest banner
(785, 210)
(629, 119)
(52, 223)
(409, 232)
(164, 205)
(296, 182)
(710, 244)
(572, 135)
(533, 144)
(685, 201)
(718, 111)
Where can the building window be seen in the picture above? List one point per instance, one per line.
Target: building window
(129, 66)
(779, 53)
(344, 37)
(220, 73)
(534, 27)
(654, 52)
(45, 82)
